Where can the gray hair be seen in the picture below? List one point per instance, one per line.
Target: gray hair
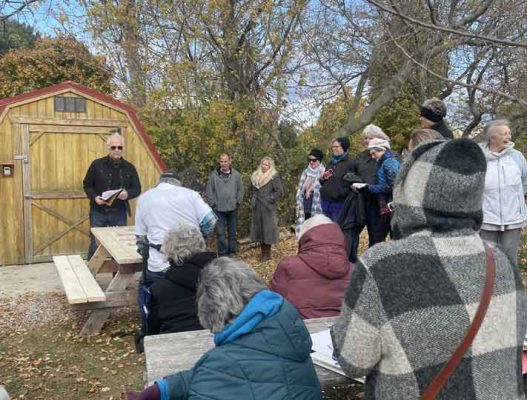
(375, 131)
(488, 129)
(113, 135)
(225, 287)
(182, 242)
(437, 106)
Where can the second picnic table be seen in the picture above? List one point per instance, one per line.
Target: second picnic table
(117, 252)
(174, 352)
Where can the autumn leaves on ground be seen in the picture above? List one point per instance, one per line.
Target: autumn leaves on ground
(42, 358)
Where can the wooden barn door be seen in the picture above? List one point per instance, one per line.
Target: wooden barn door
(56, 210)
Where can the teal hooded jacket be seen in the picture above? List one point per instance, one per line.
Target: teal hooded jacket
(264, 360)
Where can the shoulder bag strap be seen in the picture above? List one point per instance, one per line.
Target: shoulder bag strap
(448, 369)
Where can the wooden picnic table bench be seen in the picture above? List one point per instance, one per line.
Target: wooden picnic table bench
(116, 253)
(173, 352)
(77, 280)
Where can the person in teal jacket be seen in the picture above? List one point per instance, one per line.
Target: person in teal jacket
(262, 345)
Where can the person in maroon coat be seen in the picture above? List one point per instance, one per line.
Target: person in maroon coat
(315, 280)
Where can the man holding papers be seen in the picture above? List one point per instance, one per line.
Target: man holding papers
(109, 183)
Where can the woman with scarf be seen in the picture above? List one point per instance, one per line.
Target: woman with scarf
(308, 192)
(266, 189)
(334, 189)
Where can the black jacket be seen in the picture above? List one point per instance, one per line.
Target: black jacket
(365, 167)
(443, 130)
(103, 175)
(173, 305)
(335, 189)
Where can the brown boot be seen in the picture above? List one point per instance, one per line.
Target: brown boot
(266, 252)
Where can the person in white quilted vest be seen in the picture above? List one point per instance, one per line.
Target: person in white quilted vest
(504, 210)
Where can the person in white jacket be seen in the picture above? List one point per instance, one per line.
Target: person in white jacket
(504, 210)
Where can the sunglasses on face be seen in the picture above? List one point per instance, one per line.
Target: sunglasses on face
(116, 147)
(311, 159)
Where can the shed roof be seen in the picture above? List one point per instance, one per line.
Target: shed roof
(8, 102)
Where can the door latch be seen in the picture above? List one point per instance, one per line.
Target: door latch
(22, 157)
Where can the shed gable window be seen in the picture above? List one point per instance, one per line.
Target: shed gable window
(69, 104)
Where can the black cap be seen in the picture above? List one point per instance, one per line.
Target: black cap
(318, 154)
(171, 173)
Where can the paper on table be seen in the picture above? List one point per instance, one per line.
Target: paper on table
(322, 353)
(110, 193)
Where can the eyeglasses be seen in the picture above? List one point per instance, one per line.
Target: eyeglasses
(311, 159)
(116, 147)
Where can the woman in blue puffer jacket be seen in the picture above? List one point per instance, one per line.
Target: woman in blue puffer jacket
(262, 345)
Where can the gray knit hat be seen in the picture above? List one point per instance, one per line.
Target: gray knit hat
(439, 187)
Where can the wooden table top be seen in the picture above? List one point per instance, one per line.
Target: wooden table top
(119, 241)
(173, 352)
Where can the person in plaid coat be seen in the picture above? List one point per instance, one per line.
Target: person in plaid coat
(410, 301)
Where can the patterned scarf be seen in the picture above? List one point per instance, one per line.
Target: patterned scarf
(316, 208)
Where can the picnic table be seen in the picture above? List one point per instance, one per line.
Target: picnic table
(117, 253)
(173, 352)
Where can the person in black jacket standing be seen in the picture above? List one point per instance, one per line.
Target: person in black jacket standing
(433, 112)
(109, 173)
(334, 189)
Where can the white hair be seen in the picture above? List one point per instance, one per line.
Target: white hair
(488, 129)
(115, 134)
(375, 131)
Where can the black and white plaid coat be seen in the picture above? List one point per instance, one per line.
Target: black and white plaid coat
(410, 301)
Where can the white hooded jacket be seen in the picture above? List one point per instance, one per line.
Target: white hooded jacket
(505, 186)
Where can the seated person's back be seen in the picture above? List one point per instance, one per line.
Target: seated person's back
(173, 305)
(316, 278)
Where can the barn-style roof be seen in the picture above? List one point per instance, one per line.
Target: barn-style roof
(69, 86)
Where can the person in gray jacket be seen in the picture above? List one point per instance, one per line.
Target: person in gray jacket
(504, 210)
(225, 194)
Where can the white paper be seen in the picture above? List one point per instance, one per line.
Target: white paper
(359, 185)
(109, 193)
(322, 354)
(323, 351)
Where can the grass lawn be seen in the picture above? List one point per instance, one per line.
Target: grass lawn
(44, 359)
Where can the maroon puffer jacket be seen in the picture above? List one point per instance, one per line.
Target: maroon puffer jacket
(315, 280)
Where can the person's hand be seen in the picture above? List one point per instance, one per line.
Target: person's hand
(123, 195)
(150, 393)
(99, 200)
(358, 187)
(327, 174)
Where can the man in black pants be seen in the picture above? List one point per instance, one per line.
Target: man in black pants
(109, 173)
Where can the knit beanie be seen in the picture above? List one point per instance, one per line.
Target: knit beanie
(318, 154)
(344, 142)
(433, 109)
(377, 143)
(316, 220)
(440, 188)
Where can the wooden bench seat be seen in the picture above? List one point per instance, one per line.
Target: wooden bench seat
(77, 280)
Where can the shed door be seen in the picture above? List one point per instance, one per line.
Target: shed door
(56, 210)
